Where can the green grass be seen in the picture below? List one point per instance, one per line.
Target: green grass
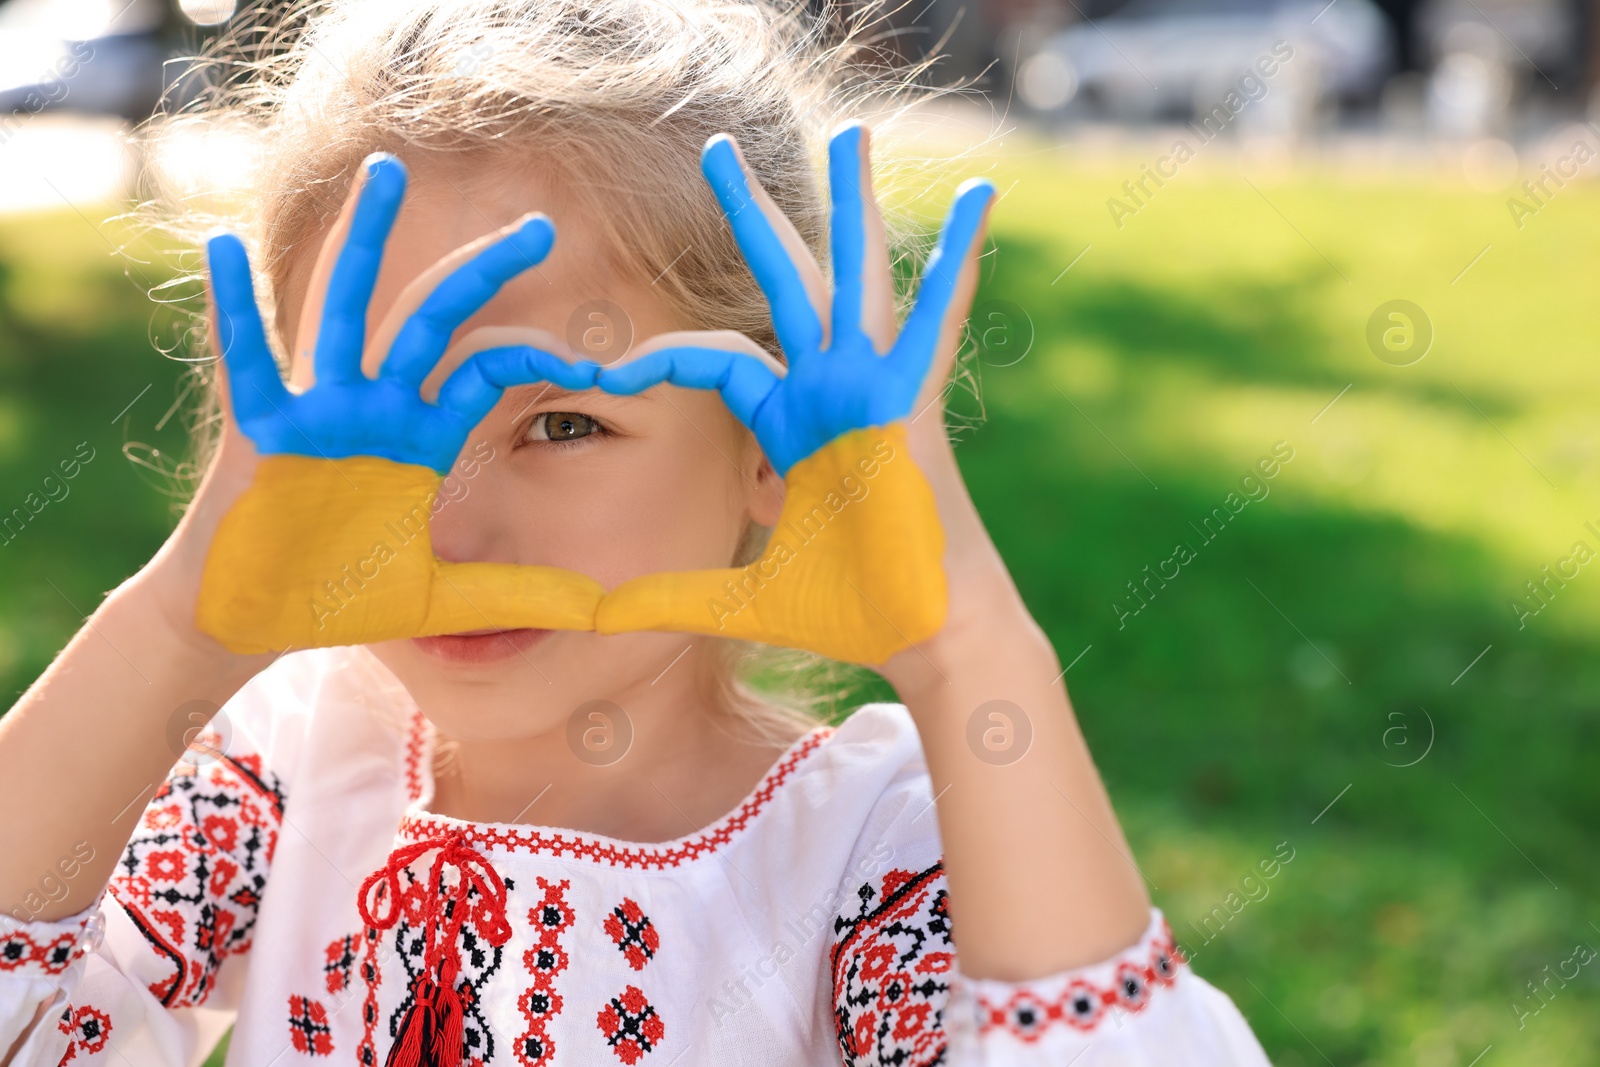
(77, 336)
(1177, 351)
(1218, 321)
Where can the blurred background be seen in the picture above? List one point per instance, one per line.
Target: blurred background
(1349, 243)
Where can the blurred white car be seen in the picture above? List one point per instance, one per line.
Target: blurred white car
(101, 56)
(1485, 53)
(1156, 59)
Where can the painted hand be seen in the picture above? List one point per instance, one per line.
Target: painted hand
(854, 567)
(330, 543)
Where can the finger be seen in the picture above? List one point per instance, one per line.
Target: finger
(302, 375)
(484, 338)
(723, 340)
(951, 271)
(846, 229)
(863, 287)
(301, 363)
(425, 333)
(469, 394)
(878, 319)
(472, 596)
(524, 365)
(778, 258)
(340, 337)
(477, 385)
(724, 361)
(254, 386)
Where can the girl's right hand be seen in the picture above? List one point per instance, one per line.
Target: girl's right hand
(311, 528)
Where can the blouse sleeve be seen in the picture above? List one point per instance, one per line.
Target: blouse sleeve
(899, 996)
(150, 973)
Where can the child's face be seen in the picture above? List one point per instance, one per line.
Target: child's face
(612, 487)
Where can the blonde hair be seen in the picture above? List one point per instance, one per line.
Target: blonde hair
(613, 98)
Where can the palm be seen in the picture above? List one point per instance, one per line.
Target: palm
(821, 398)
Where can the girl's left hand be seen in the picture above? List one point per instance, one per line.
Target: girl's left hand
(849, 367)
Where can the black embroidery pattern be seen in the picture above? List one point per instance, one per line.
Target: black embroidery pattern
(308, 1026)
(892, 962)
(192, 876)
(635, 935)
(631, 1025)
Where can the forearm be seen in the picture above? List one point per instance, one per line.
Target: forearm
(1028, 832)
(86, 746)
(1025, 839)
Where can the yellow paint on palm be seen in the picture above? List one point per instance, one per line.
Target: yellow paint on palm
(324, 552)
(854, 569)
(338, 552)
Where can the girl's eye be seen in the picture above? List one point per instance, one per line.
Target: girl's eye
(562, 426)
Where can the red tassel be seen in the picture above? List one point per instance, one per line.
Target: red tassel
(449, 1035)
(449, 1019)
(411, 1044)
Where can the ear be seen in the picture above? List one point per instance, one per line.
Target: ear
(766, 496)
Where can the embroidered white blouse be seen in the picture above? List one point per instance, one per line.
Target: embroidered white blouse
(809, 926)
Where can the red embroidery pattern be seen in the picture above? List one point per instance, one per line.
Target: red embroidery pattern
(631, 1025)
(192, 876)
(635, 935)
(416, 742)
(340, 958)
(371, 977)
(18, 950)
(540, 1002)
(1082, 1005)
(614, 853)
(308, 1027)
(891, 967)
(87, 1028)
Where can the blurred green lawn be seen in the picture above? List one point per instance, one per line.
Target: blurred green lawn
(1265, 700)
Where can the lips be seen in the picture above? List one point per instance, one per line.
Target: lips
(480, 646)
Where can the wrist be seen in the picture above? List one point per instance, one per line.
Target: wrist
(154, 613)
(986, 633)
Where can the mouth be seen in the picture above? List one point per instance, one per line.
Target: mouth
(480, 646)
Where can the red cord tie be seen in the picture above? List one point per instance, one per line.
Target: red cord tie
(432, 1034)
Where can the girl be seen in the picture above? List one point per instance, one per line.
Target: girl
(509, 803)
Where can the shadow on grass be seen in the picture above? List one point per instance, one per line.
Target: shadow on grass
(1243, 331)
